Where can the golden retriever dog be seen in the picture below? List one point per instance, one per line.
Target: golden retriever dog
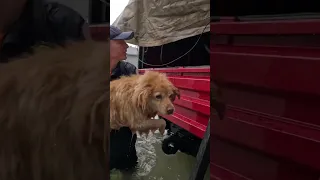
(54, 123)
(134, 100)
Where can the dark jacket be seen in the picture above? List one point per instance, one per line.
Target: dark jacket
(122, 142)
(123, 68)
(57, 25)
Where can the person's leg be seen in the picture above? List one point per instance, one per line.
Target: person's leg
(122, 149)
(133, 158)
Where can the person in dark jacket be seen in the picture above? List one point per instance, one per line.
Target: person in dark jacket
(123, 154)
(27, 23)
(118, 49)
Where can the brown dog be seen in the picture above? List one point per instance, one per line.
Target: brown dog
(136, 99)
(53, 117)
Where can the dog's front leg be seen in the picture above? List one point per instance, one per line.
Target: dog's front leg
(151, 124)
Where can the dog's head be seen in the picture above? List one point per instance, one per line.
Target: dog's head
(155, 93)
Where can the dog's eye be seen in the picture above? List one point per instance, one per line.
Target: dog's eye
(172, 97)
(159, 96)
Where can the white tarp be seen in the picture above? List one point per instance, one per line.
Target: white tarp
(158, 22)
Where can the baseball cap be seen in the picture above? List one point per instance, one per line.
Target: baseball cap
(117, 34)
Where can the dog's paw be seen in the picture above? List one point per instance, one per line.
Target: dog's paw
(145, 132)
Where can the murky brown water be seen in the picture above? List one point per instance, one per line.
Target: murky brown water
(154, 164)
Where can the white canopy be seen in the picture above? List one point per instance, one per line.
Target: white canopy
(158, 22)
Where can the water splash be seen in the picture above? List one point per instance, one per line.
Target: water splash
(146, 152)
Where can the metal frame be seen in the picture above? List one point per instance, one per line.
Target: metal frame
(104, 9)
(266, 27)
(104, 6)
(203, 157)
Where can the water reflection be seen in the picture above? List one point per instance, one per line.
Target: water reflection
(154, 164)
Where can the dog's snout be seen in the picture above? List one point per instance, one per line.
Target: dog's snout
(170, 111)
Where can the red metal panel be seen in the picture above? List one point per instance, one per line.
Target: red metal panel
(267, 27)
(196, 104)
(272, 135)
(188, 124)
(179, 70)
(272, 129)
(222, 173)
(99, 32)
(275, 70)
(191, 83)
(193, 108)
(236, 161)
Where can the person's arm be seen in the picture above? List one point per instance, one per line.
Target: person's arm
(66, 23)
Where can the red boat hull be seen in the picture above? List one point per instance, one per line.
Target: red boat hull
(269, 73)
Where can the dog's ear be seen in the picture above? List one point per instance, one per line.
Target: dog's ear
(141, 97)
(176, 92)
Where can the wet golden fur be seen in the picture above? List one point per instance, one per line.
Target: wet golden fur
(53, 118)
(136, 99)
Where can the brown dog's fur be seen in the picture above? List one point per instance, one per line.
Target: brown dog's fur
(53, 118)
(136, 99)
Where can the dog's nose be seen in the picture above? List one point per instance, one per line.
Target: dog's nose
(170, 111)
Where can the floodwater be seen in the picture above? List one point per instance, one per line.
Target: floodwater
(154, 164)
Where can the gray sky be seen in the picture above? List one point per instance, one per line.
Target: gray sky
(116, 7)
